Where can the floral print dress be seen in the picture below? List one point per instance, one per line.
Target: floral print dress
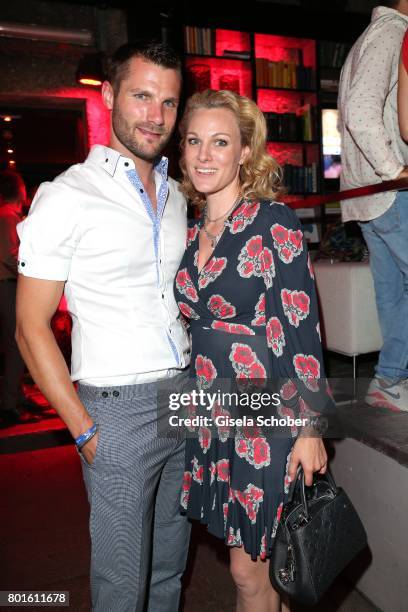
(252, 312)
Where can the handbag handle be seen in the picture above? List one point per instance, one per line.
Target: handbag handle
(299, 481)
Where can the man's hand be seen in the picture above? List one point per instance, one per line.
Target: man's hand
(89, 449)
(311, 454)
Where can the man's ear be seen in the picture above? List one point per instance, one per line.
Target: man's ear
(107, 95)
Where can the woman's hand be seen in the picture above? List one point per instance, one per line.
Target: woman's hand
(311, 454)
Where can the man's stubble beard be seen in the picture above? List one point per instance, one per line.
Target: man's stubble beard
(124, 132)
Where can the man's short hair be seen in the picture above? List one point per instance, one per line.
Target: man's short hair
(12, 188)
(389, 3)
(153, 51)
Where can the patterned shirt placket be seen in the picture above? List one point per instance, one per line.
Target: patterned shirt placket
(155, 218)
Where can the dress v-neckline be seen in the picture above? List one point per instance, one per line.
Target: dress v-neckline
(209, 258)
(200, 226)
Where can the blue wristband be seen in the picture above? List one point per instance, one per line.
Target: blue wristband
(87, 435)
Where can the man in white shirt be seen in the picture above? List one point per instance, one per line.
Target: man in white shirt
(373, 151)
(110, 233)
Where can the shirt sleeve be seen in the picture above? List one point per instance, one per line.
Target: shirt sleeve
(49, 234)
(292, 319)
(363, 104)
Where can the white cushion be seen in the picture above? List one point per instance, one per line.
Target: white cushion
(348, 311)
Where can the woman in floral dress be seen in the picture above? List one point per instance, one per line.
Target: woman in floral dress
(245, 286)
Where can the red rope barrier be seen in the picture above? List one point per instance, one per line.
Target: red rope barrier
(318, 200)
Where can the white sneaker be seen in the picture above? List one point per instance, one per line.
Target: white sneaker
(382, 394)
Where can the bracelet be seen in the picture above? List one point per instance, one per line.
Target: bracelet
(86, 436)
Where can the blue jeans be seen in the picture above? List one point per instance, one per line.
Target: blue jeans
(387, 241)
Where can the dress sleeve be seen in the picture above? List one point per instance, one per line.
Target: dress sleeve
(292, 319)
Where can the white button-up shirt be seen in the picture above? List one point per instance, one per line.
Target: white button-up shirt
(372, 148)
(93, 228)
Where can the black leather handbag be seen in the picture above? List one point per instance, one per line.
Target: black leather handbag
(319, 533)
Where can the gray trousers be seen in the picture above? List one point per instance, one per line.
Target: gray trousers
(139, 539)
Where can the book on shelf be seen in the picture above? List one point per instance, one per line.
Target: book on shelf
(284, 75)
(199, 40)
(300, 179)
(295, 127)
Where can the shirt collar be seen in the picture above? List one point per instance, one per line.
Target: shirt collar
(380, 11)
(111, 161)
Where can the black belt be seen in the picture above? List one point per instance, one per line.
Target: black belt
(8, 280)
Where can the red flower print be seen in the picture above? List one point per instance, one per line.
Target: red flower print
(243, 216)
(310, 266)
(232, 328)
(257, 372)
(267, 267)
(259, 319)
(295, 238)
(262, 454)
(285, 411)
(262, 550)
(301, 301)
(246, 365)
(287, 242)
(253, 447)
(187, 311)
(254, 246)
(223, 430)
(220, 307)
(250, 500)
(275, 336)
(185, 285)
(252, 432)
(223, 473)
(241, 447)
(279, 233)
(213, 469)
(234, 538)
(192, 233)
(205, 371)
(211, 271)
(186, 481)
(204, 438)
(295, 305)
(198, 471)
(307, 368)
(288, 390)
(242, 353)
(256, 261)
(185, 490)
(279, 511)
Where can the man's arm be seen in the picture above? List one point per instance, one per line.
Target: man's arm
(37, 301)
(363, 103)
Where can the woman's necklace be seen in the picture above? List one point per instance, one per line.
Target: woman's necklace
(214, 238)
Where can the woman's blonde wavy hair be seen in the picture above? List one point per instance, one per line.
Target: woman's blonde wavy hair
(260, 175)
